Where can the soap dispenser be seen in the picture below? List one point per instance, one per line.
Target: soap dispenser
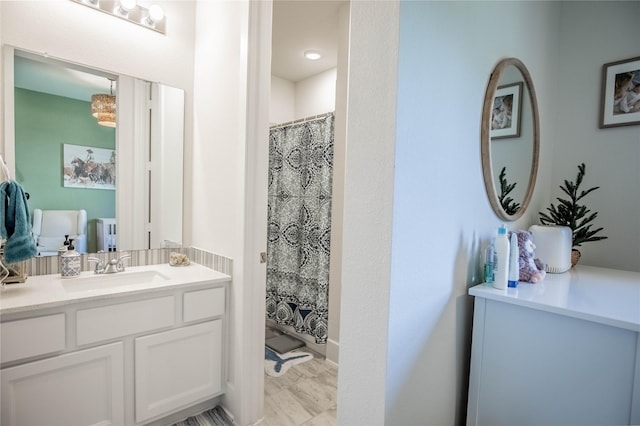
(70, 262)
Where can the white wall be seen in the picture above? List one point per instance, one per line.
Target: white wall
(316, 94)
(612, 155)
(283, 101)
(311, 96)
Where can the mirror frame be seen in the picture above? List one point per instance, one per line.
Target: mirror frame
(485, 139)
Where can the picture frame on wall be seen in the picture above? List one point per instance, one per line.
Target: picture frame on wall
(88, 167)
(620, 94)
(505, 117)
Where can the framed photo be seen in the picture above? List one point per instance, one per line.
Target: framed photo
(505, 117)
(620, 102)
(88, 167)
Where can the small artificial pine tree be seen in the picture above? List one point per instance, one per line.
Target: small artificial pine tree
(510, 207)
(570, 213)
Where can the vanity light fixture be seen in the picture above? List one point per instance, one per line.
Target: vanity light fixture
(129, 10)
(103, 108)
(312, 55)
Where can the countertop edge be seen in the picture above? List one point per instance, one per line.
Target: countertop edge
(56, 301)
(490, 293)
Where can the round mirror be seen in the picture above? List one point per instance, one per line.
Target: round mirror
(510, 140)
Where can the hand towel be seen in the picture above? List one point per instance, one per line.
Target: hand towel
(4, 171)
(15, 225)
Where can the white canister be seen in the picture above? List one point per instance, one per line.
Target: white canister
(553, 246)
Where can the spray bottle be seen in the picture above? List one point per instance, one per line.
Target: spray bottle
(514, 267)
(489, 261)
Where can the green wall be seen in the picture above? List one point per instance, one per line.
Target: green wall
(44, 123)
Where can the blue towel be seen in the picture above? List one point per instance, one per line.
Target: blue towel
(15, 225)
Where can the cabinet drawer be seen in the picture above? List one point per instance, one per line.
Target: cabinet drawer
(123, 319)
(31, 337)
(203, 304)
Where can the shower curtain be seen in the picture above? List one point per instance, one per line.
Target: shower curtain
(299, 216)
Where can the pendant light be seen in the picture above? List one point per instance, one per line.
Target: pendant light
(103, 108)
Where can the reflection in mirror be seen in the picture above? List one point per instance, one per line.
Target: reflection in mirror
(510, 139)
(62, 155)
(51, 105)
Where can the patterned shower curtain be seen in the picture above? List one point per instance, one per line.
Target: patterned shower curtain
(299, 209)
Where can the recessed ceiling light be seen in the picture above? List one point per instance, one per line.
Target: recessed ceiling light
(312, 55)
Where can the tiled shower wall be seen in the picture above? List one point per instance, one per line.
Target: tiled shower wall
(49, 265)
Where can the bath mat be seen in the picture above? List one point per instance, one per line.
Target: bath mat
(214, 417)
(283, 343)
(276, 364)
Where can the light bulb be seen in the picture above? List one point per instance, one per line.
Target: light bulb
(312, 55)
(124, 7)
(155, 13)
(128, 5)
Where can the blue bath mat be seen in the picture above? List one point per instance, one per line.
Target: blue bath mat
(276, 364)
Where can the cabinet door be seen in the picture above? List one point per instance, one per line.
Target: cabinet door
(176, 368)
(80, 388)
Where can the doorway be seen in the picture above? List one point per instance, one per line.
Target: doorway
(300, 89)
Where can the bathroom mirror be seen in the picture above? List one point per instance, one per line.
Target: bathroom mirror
(510, 139)
(147, 141)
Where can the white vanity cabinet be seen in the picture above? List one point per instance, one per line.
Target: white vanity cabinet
(113, 358)
(565, 351)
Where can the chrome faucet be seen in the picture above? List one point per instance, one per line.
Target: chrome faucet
(111, 266)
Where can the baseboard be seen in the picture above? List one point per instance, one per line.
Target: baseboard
(333, 350)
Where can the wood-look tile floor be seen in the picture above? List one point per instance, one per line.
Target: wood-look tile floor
(306, 395)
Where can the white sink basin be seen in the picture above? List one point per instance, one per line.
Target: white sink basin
(107, 281)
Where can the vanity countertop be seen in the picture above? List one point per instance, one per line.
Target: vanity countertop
(606, 296)
(45, 291)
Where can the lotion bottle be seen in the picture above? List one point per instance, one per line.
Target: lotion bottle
(514, 267)
(501, 266)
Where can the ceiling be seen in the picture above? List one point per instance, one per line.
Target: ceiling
(54, 78)
(298, 25)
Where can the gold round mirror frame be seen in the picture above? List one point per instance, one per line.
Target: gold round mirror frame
(485, 138)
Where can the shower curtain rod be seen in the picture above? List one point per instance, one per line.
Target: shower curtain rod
(301, 120)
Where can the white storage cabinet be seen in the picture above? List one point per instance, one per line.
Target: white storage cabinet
(565, 351)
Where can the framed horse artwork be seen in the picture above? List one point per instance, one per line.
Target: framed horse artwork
(88, 167)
